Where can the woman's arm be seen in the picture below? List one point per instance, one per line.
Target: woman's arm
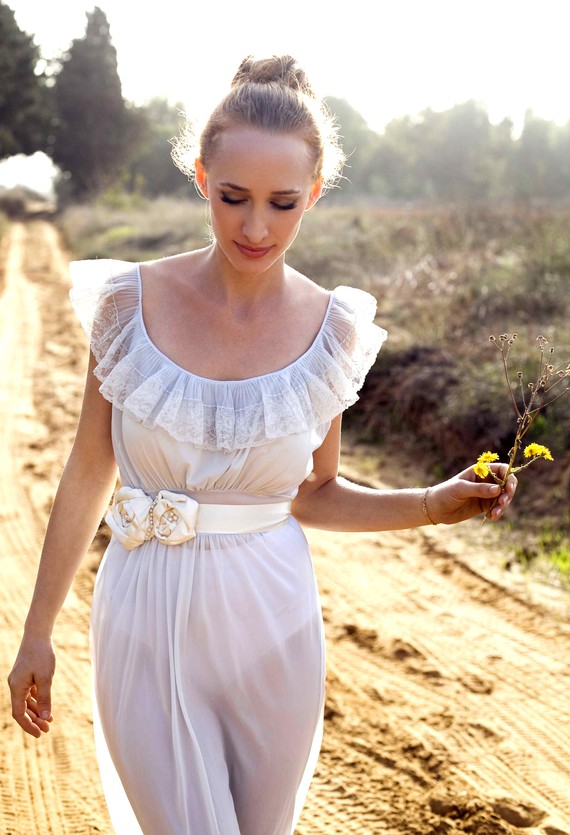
(332, 503)
(82, 496)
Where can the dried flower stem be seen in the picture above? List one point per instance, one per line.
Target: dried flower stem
(541, 395)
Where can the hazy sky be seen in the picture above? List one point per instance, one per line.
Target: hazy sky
(386, 58)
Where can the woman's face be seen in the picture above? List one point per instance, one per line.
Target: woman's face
(259, 185)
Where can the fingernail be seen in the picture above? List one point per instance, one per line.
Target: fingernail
(45, 714)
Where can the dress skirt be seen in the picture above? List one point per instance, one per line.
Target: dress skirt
(208, 671)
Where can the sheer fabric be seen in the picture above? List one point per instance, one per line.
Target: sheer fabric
(208, 656)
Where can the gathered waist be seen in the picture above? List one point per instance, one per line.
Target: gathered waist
(135, 517)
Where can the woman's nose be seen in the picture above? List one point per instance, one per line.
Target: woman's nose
(255, 226)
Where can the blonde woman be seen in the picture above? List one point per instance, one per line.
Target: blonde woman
(215, 389)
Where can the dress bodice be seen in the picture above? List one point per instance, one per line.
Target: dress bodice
(245, 440)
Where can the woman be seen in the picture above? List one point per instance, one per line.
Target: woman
(216, 383)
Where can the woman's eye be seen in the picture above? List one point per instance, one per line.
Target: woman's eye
(237, 201)
(285, 207)
(225, 199)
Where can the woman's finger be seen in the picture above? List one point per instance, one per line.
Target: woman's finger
(498, 509)
(43, 697)
(23, 718)
(499, 469)
(32, 706)
(33, 711)
(480, 489)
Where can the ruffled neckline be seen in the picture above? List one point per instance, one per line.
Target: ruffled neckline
(213, 380)
(138, 378)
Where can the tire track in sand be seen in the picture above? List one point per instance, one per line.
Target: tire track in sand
(49, 785)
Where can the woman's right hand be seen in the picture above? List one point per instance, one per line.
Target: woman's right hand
(30, 685)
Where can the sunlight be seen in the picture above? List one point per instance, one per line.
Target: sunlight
(35, 172)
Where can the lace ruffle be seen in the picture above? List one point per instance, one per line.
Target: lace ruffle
(211, 414)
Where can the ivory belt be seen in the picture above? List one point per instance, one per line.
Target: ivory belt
(172, 518)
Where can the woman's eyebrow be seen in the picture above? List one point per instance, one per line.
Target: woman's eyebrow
(283, 192)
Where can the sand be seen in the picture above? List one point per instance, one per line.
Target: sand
(447, 707)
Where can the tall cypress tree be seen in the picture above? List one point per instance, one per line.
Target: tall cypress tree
(93, 133)
(24, 115)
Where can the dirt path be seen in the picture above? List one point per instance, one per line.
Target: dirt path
(447, 706)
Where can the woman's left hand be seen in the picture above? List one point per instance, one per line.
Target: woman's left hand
(466, 495)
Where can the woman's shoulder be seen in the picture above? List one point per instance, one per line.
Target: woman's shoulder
(308, 301)
(349, 302)
(177, 275)
(348, 339)
(105, 296)
(172, 266)
(304, 287)
(309, 290)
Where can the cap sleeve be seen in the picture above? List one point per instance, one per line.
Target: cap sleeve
(105, 297)
(352, 341)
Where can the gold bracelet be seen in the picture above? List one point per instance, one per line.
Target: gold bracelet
(425, 507)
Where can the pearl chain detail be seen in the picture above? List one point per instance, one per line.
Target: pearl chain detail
(171, 517)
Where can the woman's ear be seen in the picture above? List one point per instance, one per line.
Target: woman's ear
(315, 193)
(201, 178)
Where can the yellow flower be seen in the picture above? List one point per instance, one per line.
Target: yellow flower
(538, 451)
(487, 457)
(482, 470)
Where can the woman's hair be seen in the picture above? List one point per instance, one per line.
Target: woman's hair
(272, 94)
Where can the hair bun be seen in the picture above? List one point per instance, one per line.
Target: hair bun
(272, 94)
(280, 69)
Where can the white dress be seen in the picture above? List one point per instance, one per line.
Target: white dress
(208, 656)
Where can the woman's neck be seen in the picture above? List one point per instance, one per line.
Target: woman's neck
(221, 279)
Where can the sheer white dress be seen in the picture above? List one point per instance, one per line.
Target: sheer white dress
(208, 656)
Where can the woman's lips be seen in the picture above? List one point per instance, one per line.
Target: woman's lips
(252, 252)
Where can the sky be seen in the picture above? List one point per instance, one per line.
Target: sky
(387, 58)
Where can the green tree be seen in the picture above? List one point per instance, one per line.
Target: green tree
(95, 129)
(150, 169)
(456, 154)
(532, 162)
(501, 150)
(457, 144)
(560, 162)
(24, 97)
(393, 167)
(358, 142)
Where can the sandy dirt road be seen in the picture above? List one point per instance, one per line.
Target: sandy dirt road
(447, 707)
